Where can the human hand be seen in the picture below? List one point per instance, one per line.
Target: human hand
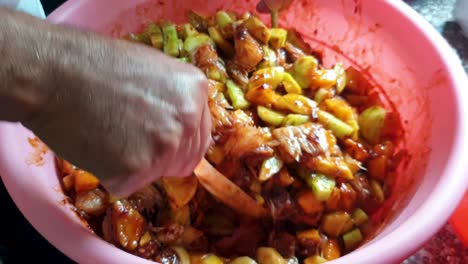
(125, 112)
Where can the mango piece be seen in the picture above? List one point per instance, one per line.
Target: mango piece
(296, 103)
(331, 250)
(182, 255)
(267, 255)
(278, 37)
(341, 77)
(257, 29)
(309, 203)
(84, 181)
(180, 190)
(243, 260)
(336, 223)
(315, 259)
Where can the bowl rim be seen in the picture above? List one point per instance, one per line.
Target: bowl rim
(454, 171)
(458, 220)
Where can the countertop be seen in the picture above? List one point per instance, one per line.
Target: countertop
(20, 243)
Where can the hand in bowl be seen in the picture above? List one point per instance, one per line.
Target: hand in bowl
(125, 112)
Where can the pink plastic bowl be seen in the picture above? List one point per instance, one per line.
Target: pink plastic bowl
(415, 68)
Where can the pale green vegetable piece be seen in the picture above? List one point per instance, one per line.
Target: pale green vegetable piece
(315, 259)
(157, 41)
(145, 36)
(243, 260)
(359, 217)
(188, 30)
(197, 40)
(305, 64)
(269, 116)
(184, 59)
(321, 95)
(377, 191)
(371, 122)
(171, 43)
(155, 36)
(269, 58)
(341, 77)
(236, 95)
(295, 120)
(339, 128)
(214, 73)
(182, 254)
(303, 68)
(321, 185)
(290, 84)
(270, 167)
(223, 19)
(278, 37)
(212, 259)
(352, 239)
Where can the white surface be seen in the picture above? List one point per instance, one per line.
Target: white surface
(461, 14)
(32, 7)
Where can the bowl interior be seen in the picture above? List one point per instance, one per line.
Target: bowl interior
(414, 69)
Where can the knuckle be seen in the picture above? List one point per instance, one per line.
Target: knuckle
(190, 120)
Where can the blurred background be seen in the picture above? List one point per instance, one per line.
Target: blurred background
(51, 5)
(20, 243)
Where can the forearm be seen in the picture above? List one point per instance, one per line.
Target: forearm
(37, 59)
(123, 111)
(25, 81)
